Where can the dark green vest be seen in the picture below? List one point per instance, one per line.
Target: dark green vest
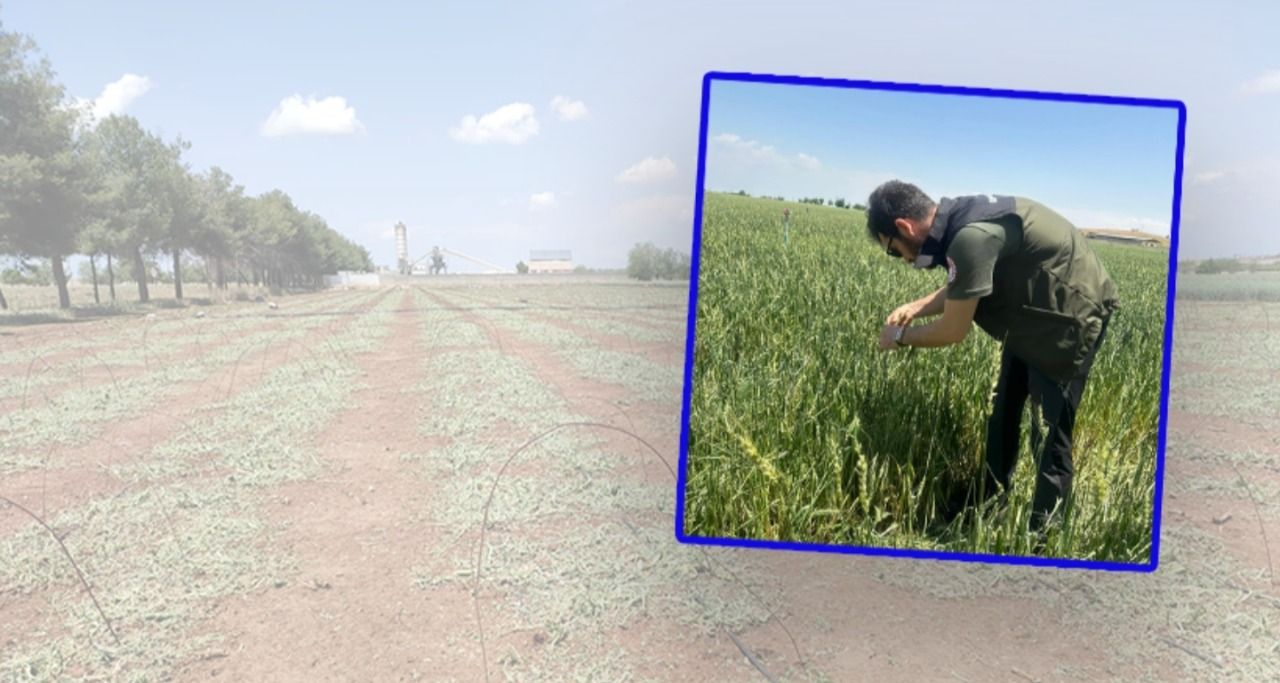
(1050, 297)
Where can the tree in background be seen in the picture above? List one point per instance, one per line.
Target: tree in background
(4, 303)
(522, 267)
(642, 261)
(182, 194)
(647, 262)
(96, 236)
(226, 220)
(22, 272)
(43, 181)
(111, 189)
(273, 226)
(135, 209)
(1214, 266)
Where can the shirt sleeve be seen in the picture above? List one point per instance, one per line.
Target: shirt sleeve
(971, 260)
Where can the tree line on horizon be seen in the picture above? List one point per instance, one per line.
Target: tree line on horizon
(112, 191)
(647, 261)
(838, 202)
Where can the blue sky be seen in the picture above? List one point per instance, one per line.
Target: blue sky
(379, 133)
(1101, 165)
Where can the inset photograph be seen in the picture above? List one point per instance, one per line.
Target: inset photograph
(930, 321)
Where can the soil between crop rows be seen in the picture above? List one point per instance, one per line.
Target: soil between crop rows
(362, 558)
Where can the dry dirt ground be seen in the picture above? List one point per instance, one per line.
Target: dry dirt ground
(460, 479)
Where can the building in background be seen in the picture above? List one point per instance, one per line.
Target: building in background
(402, 249)
(1132, 237)
(551, 261)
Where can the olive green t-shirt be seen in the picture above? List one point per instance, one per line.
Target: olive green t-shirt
(972, 256)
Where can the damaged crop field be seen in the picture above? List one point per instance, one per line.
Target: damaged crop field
(471, 479)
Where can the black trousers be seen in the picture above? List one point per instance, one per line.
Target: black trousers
(1057, 403)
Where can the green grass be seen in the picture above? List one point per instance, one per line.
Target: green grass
(802, 430)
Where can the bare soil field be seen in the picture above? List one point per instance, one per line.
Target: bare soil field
(472, 479)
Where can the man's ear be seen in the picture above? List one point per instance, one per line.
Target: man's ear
(903, 225)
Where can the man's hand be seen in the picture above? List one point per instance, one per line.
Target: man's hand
(886, 337)
(904, 314)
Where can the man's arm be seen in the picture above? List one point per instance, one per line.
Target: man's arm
(951, 328)
(926, 306)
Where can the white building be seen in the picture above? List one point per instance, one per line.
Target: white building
(551, 261)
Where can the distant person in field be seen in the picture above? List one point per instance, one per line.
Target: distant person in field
(1028, 278)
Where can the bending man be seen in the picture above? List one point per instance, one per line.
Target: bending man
(1028, 278)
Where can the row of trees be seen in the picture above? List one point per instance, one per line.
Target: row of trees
(1220, 265)
(839, 202)
(648, 262)
(112, 191)
(1214, 266)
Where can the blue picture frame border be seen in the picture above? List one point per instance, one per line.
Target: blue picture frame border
(691, 321)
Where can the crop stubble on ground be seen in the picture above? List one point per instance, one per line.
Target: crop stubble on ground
(363, 542)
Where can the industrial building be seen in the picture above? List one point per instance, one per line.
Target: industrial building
(551, 261)
(432, 262)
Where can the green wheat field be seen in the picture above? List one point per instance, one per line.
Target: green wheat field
(801, 430)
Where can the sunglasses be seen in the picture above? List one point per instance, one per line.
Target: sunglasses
(888, 248)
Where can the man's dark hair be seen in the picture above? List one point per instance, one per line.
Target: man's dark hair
(891, 201)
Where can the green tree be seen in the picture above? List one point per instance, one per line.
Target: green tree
(643, 261)
(180, 191)
(135, 210)
(24, 272)
(675, 265)
(226, 221)
(4, 249)
(97, 239)
(1214, 266)
(273, 225)
(648, 262)
(43, 182)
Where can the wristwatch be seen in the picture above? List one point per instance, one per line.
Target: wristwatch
(897, 337)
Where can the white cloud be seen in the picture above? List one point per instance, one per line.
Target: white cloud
(648, 170)
(511, 123)
(737, 163)
(115, 97)
(755, 150)
(569, 110)
(658, 208)
(809, 162)
(296, 116)
(1268, 82)
(1206, 177)
(542, 200)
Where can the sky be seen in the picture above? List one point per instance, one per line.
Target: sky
(1101, 165)
(496, 129)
